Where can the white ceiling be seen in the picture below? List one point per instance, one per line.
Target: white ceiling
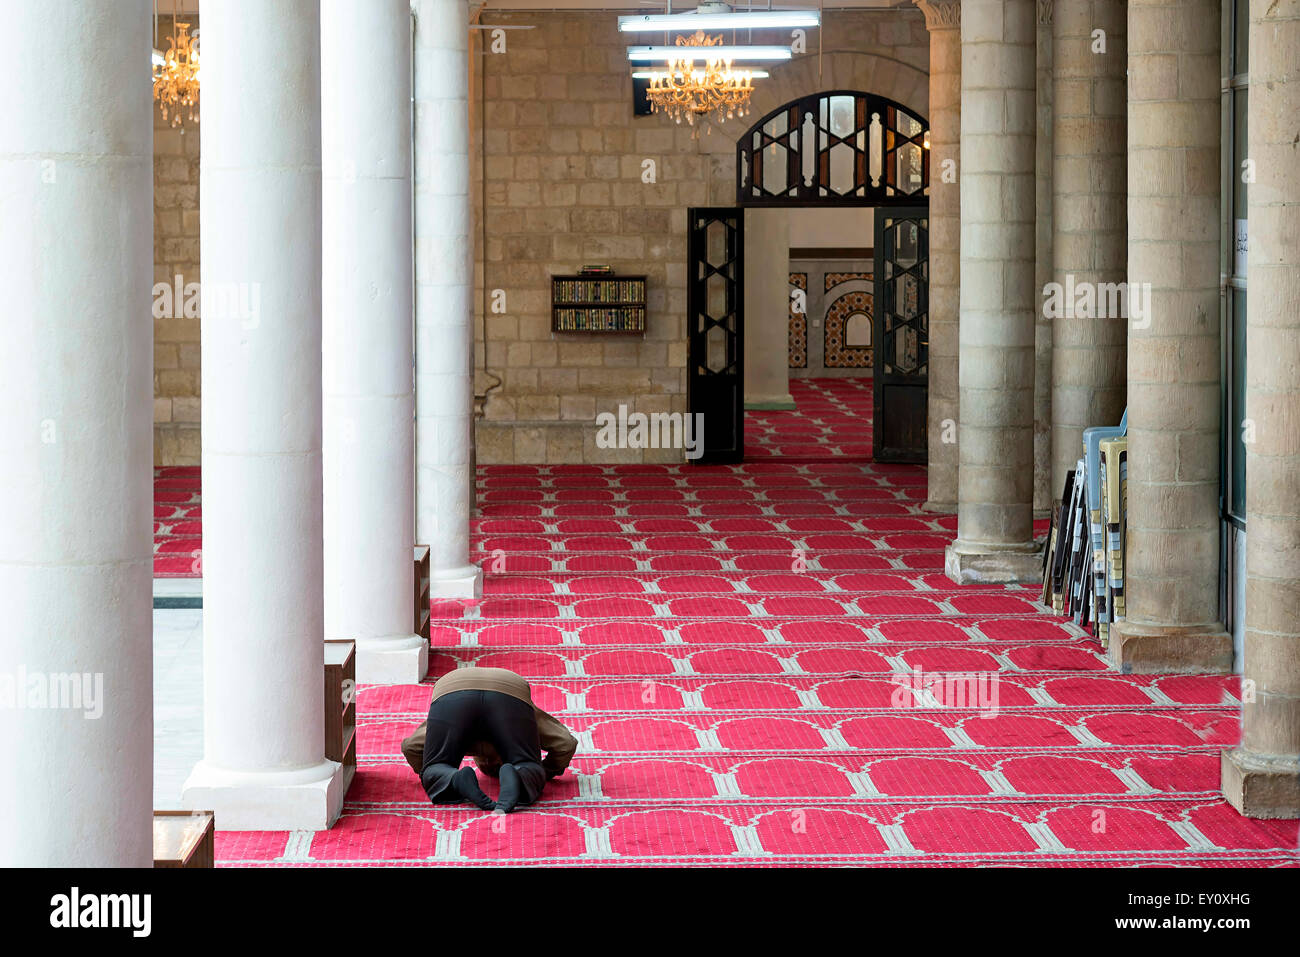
(682, 6)
(165, 7)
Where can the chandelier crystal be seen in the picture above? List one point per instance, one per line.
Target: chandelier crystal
(698, 84)
(176, 79)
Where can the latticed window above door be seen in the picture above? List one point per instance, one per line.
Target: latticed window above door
(836, 149)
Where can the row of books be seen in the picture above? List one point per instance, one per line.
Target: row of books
(627, 319)
(598, 290)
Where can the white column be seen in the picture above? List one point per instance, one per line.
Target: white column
(369, 431)
(76, 436)
(767, 309)
(444, 313)
(264, 764)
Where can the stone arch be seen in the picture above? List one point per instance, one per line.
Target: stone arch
(884, 76)
(841, 70)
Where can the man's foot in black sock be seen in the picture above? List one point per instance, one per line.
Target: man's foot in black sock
(465, 782)
(511, 788)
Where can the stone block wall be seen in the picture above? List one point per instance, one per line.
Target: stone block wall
(563, 182)
(176, 252)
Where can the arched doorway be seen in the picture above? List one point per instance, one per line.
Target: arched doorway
(838, 148)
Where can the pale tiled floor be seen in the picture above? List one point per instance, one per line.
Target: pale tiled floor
(177, 701)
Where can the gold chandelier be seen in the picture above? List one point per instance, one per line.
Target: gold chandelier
(176, 78)
(685, 90)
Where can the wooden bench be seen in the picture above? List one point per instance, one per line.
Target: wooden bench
(183, 839)
(341, 705)
(422, 594)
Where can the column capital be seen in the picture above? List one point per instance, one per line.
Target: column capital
(1045, 8)
(941, 14)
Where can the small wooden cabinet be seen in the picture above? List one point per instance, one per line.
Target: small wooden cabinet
(341, 705)
(422, 591)
(183, 839)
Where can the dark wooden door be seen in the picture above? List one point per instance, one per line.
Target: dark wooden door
(715, 317)
(901, 334)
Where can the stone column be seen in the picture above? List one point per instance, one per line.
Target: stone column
(264, 764)
(1261, 778)
(76, 436)
(767, 309)
(369, 405)
(444, 309)
(1043, 261)
(996, 440)
(943, 20)
(1172, 557)
(1090, 208)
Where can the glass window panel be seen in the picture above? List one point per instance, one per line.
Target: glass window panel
(905, 243)
(774, 155)
(841, 123)
(907, 125)
(777, 125)
(906, 345)
(908, 160)
(906, 296)
(841, 168)
(716, 350)
(775, 168)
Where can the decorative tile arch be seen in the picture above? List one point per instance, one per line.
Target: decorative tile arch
(838, 353)
(835, 148)
(798, 336)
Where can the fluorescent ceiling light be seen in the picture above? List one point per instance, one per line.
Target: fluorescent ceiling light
(756, 20)
(669, 54)
(647, 74)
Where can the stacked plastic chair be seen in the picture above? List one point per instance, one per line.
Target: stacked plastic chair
(1103, 589)
(1114, 509)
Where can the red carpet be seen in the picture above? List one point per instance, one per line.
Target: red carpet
(833, 421)
(745, 655)
(177, 523)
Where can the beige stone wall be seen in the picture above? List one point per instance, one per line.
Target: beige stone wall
(176, 252)
(563, 167)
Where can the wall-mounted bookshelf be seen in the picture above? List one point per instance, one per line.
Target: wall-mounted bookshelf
(598, 304)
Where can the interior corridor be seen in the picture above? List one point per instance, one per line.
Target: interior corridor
(832, 420)
(722, 641)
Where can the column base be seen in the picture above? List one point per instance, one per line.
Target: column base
(463, 582)
(308, 799)
(399, 660)
(771, 403)
(1261, 787)
(1141, 648)
(968, 563)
